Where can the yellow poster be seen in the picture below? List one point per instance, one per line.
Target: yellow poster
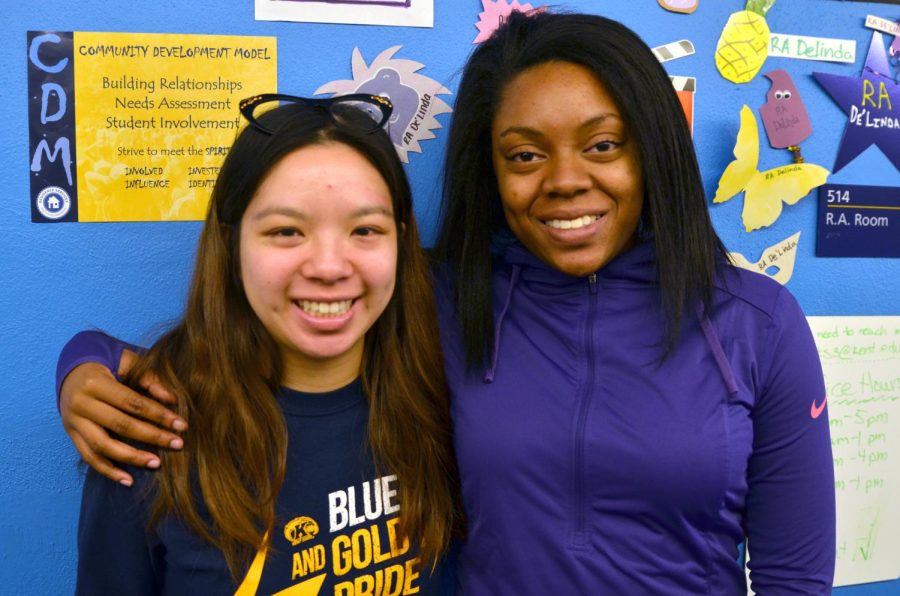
(154, 116)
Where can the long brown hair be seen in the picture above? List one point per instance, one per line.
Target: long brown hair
(224, 368)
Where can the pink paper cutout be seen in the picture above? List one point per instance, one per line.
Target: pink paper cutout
(784, 114)
(682, 6)
(495, 13)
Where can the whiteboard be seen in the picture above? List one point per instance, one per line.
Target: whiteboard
(861, 361)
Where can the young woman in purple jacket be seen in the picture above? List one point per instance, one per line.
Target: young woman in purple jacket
(628, 407)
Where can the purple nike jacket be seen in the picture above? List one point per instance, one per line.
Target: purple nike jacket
(590, 467)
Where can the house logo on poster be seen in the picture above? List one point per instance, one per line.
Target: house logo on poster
(415, 97)
(53, 202)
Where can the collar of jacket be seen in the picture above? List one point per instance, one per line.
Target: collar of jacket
(635, 265)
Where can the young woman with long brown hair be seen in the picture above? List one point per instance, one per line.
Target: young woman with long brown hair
(319, 456)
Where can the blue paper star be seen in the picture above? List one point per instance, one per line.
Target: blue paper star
(872, 102)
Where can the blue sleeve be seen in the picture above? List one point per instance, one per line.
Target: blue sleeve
(790, 515)
(90, 346)
(116, 552)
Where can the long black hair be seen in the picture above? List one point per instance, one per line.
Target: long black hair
(675, 214)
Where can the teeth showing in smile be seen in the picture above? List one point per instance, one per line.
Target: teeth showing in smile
(572, 224)
(325, 309)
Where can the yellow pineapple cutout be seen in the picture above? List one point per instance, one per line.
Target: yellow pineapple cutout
(744, 43)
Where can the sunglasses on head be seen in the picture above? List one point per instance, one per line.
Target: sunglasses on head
(360, 112)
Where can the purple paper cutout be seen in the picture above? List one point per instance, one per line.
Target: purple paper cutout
(869, 101)
(387, 82)
(784, 115)
(398, 78)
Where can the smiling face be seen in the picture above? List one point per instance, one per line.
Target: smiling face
(568, 174)
(318, 260)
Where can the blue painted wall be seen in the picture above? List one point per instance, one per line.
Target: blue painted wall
(127, 278)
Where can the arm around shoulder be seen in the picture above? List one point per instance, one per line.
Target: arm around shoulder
(94, 405)
(89, 346)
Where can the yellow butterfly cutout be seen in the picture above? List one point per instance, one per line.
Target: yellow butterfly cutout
(764, 192)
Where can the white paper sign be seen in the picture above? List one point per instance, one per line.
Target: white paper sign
(399, 13)
(861, 360)
(883, 25)
(824, 49)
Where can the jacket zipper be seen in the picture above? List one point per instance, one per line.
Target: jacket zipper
(579, 539)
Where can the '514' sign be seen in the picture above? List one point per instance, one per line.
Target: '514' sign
(858, 221)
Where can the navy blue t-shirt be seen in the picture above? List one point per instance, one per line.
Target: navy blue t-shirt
(335, 531)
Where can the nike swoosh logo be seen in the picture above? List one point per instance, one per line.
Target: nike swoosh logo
(816, 411)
